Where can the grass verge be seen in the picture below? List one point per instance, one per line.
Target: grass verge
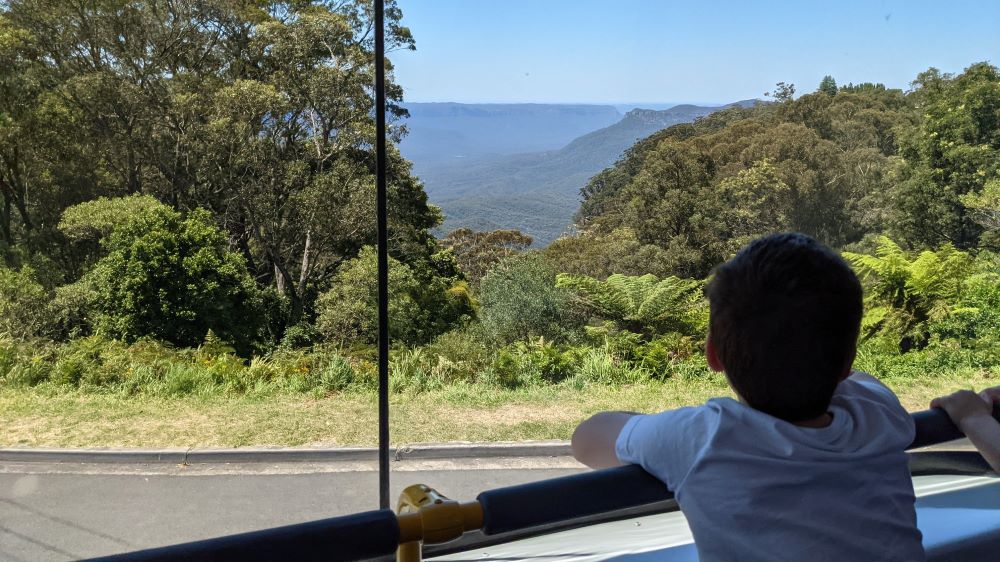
(47, 417)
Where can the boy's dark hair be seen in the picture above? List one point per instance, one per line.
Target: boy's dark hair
(785, 314)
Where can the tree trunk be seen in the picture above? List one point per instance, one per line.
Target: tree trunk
(5, 222)
(304, 271)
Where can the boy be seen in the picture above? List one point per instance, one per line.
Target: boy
(809, 464)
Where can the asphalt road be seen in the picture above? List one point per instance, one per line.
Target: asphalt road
(60, 512)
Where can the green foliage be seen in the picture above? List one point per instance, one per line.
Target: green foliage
(478, 252)
(421, 304)
(984, 207)
(952, 152)
(643, 305)
(519, 302)
(906, 293)
(602, 367)
(818, 164)
(977, 323)
(23, 304)
(600, 254)
(528, 364)
(828, 86)
(172, 278)
(94, 220)
(269, 125)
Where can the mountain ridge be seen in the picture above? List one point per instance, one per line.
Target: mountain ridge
(538, 192)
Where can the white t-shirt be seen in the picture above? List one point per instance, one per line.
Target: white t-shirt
(754, 487)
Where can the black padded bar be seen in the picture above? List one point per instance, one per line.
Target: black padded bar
(569, 497)
(590, 493)
(934, 426)
(353, 537)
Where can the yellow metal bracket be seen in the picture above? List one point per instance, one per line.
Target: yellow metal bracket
(427, 517)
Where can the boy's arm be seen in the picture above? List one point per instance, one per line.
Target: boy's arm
(973, 414)
(594, 440)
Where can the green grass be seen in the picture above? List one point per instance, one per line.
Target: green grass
(51, 416)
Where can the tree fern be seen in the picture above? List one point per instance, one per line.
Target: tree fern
(905, 294)
(645, 305)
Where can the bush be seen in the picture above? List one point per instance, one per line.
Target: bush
(523, 364)
(23, 303)
(421, 303)
(519, 302)
(660, 356)
(172, 278)
(71, 311)
(905, 294)
(644, 305)
(599, 366)
(975, 322)
(459, 355)
(409, 370)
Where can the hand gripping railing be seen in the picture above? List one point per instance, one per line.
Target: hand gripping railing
(427, 517)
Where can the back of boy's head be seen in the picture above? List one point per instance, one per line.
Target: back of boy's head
(785, 314)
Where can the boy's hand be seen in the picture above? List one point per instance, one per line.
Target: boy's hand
(966, 404)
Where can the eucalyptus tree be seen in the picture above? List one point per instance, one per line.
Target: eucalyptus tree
(260, 111)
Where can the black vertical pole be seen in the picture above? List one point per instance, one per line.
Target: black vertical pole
(383, 259)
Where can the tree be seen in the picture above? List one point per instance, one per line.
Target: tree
(477, 252)
(258, 111)
(953, 151)
(783, 92)
(828, 86)
(756, 202)
(692, 194)
(985, 206)
(172, 277)
(643, 305)
(599, 254)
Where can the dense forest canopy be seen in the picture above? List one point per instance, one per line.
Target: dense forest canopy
(839, 164)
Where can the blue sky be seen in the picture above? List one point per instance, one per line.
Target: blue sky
(624, 51)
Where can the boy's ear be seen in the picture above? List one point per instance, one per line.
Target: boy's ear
(713, 357)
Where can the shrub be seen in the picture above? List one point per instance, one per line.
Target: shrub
(421, 303)
(172, 278)
(599, 366)
(459, 356)
(301, 335)
(659, 356)
(71, 310)
(337, 375)
(519, 301)
(22, 304)
(906, 294)
(976, 320)
(409, 370)
(523, 364)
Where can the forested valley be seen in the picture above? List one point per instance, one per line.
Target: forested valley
(188, 220)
